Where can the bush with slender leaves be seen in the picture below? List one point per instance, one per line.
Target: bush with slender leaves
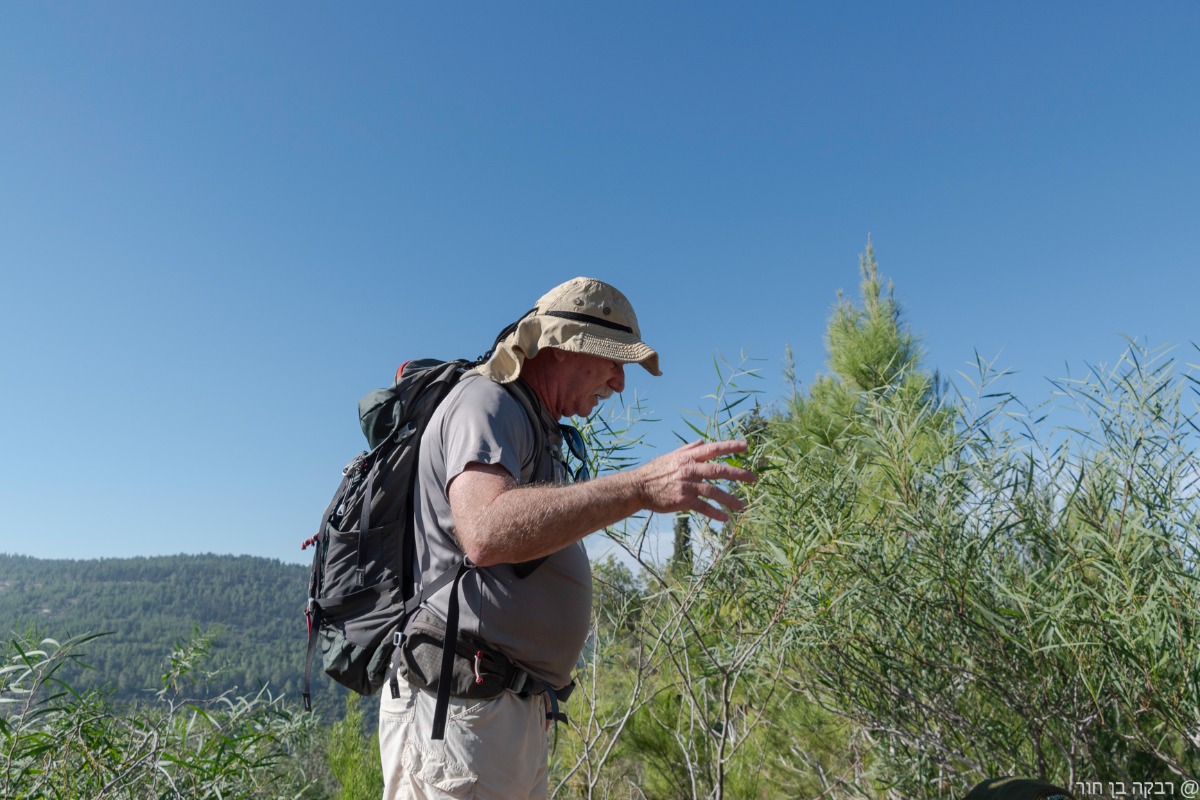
(1002, 596)
(56, 742)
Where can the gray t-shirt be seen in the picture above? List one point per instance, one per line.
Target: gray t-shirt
(540, 621)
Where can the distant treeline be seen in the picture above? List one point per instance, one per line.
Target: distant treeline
(148, 606)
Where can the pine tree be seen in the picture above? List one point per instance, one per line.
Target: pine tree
(681, 554)
(874, 358)
(354, 756)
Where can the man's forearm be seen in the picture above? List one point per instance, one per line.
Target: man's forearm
(498, 522)
(529, 522)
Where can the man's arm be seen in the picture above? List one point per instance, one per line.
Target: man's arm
(499, 522)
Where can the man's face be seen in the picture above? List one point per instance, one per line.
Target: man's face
(585, 380)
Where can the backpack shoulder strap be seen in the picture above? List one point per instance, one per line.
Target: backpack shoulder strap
(524, 395)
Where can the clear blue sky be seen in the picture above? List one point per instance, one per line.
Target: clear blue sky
(220, 223)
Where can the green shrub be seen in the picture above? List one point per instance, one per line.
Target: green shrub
(1007, 598)
(353, 756)
(56, 742)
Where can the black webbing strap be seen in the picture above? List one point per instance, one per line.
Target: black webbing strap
(448, 646)
(589, 319)
(364, 525)
(312, 613)
(432, 588)
(554, 714)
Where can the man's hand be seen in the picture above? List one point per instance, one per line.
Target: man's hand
(681, 480)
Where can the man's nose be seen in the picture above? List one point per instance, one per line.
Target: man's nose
(618, 380)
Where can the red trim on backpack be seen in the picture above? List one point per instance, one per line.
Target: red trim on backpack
(400, 370)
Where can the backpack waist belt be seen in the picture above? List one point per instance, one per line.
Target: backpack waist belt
(479, 672)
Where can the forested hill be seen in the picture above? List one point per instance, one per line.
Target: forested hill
(148, 606)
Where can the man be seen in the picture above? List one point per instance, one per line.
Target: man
(485, 491)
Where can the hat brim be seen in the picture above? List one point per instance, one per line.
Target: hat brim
(540, 331)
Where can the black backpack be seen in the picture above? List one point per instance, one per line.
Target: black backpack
(361, 589)
(360, 578)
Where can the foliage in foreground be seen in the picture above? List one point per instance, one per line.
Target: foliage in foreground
(984, 594)
(56, 742)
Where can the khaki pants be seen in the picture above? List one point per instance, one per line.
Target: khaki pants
(494, 748)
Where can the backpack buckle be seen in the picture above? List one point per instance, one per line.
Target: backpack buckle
(519, 681)
(355, 466)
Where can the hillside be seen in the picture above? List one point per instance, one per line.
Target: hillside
(147, 606)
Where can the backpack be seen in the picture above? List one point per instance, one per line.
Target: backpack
(361, 588)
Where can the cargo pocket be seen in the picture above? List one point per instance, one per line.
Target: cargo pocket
(422, 765)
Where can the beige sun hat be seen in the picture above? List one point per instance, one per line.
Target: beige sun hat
(583, 315)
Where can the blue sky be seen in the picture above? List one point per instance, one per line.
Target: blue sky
(221, 223)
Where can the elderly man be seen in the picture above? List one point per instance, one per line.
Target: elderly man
(495, 488)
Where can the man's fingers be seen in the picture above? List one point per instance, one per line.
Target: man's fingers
(706, 451)
(712, 512)
(706, 470)
(721, 496)
(703, 453)
(724, 472)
